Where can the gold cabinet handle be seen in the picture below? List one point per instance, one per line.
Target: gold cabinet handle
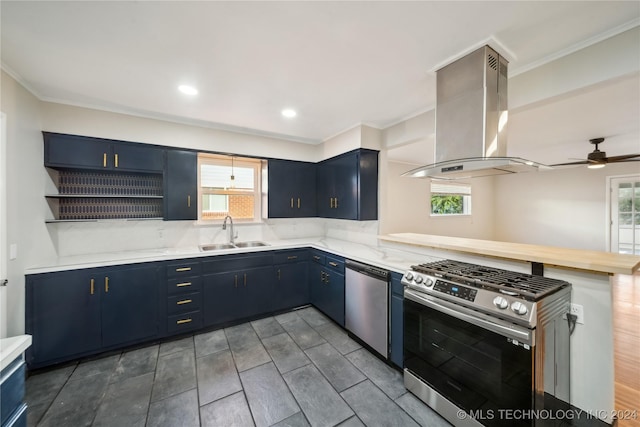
(184, 301)
(331, 203)
(335, 205)
(189, 201)
(116, 160)
(104, 160)
(178, 270)
(180, 322)
(292, 257)
(316, 257)
(292, 203)
(93, 282)
(181, 285)
(245, 280)
(333, 264)
(298, 202)
(236, 281)
(106, 284)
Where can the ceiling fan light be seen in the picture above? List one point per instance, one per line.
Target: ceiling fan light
(596, 165)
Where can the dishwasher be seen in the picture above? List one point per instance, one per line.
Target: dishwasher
(366, 308)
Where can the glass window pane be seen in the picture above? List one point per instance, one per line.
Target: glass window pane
(624, 219)
(219, 177)
(446, 204)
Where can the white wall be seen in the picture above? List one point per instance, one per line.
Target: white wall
(564, 208)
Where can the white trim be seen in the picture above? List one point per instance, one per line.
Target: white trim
(4, 271)
(611, 203)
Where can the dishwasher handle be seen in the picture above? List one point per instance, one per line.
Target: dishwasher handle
(368, 270)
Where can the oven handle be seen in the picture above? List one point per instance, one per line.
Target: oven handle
(521, 335)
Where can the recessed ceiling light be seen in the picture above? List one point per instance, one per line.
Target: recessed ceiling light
(289, 113)
(188, 90)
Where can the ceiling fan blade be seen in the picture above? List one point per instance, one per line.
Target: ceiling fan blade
(583, 162)
(623, 157)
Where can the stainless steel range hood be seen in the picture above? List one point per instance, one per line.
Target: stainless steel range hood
(471, 120)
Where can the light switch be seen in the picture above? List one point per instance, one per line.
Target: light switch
(13, 251)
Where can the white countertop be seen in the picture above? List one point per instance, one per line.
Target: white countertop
(12, 347)
(384, 257)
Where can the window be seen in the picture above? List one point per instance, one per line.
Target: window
(228, 185)
(625, 214)
(450, 199)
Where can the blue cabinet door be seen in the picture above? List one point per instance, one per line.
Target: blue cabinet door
(130, 304)
(181, 185)
(335, 297)
(63, 315)
(292, 189)
(71, 151)
(137, 157)
(291, 286)
(397, 319)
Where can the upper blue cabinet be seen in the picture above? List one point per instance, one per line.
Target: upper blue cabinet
(181, 185)
(347, 186)
(82, 152)
(292, 189)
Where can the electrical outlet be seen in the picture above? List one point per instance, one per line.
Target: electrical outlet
(578, 310)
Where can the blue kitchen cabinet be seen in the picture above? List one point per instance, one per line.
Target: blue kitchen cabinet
(181, 185)
(347, 186)
(80, 312)
(13, 410)
(326, 281)
(397, 319)
(292, 189)
(83, 152)
(292, 284)
(183, 308)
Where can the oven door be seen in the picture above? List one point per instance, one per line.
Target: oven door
(479, 363)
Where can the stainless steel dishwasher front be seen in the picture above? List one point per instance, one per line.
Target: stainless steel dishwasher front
(367, 305)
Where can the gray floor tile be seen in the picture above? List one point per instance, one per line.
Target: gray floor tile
(176, 346)
(297, 420)
(77, 402)
(321, 404)
(287, 317)
(230, 411)
(351, 422)
(423, 414)
(267, 394)
(126, 402)
(42, 388)
(179, 410)
(313, 317)
(337, 337)
(210, 342)
(375, 408)
(104, 365)
(338, 370)
(285, 353)
(217, 376)
(385, 377)
(135, 363)
(175, 374)
(267, 327)
(303, 334)
(248, 351)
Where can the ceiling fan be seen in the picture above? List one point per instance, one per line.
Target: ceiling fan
(598, 159)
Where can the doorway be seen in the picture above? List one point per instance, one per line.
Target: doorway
(624, 211)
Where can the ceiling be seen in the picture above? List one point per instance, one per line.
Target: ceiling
(338, 64)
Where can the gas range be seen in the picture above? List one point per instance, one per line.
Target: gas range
(505, 294)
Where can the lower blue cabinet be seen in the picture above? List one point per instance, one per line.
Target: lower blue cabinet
(13, 410)
(397, 319)
(326, 281)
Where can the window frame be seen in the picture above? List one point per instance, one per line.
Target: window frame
(464, 190)
(238, 162)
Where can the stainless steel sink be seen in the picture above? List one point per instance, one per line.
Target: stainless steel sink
(216, 247)
(252, 244)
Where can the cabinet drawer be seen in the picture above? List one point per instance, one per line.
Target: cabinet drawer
(184, 285)
(186, 268)
(335, 264)
(184, 303)
(12, 388)
(234, 262)
(318, 257)
(284, 257)
(184, 322)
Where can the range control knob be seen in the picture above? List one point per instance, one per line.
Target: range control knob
(428, 282)
(409, 276)
(519, 308)
(419, 279)
(501, 302)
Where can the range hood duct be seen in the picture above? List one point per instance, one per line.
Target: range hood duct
(471, 120)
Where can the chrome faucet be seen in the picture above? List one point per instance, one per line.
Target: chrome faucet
(232, 236)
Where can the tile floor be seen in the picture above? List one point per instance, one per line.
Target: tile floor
(294, 369)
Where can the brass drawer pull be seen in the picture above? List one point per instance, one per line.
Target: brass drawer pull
(92, 286)
(184, 301)
(116, 160)
(331, 203)
(180, 285)
(106, 284)
(104, 160)
(298, 202)
(292, 202)
(180, 322)
(189, 201)
(335, 204)
(333, 264)
(178, 270)
(293, 257)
